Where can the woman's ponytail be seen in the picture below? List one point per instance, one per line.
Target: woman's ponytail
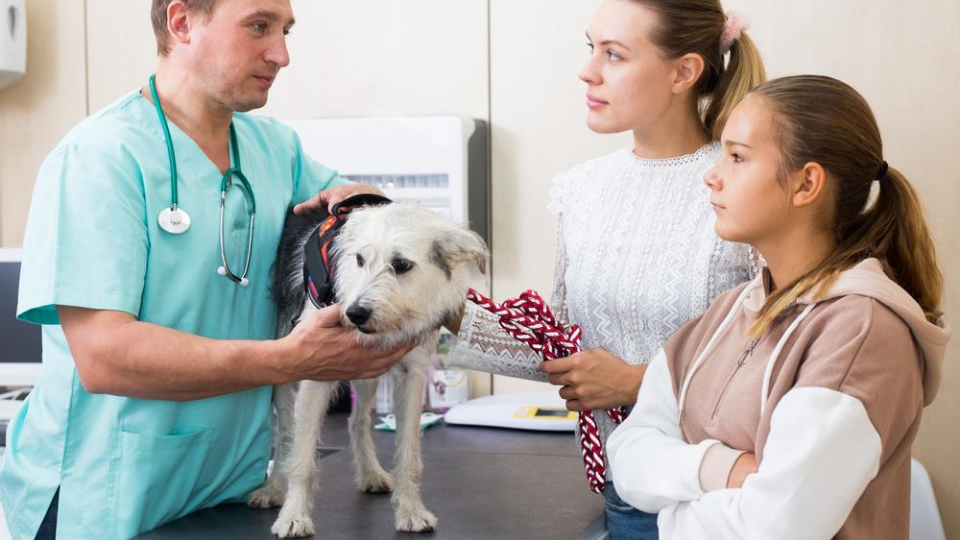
(743, 72)
(702, 27)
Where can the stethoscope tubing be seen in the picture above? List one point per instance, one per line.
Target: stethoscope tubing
(225, 182)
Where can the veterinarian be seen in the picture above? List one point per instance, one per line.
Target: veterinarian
(154, 400)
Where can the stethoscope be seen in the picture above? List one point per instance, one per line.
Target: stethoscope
(175, 220)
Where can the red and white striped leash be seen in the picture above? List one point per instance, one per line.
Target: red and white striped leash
(529, 319)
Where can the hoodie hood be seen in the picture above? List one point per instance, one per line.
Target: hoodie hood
(868, 279)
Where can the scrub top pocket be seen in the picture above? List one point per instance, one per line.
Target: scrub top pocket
(158, 476)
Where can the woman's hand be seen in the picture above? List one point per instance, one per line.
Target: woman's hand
(594, 379)
(745, 465)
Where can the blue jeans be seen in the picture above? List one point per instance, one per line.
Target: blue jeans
(48, 527)
(625, 522)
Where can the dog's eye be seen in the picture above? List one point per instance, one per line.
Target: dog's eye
(360, 260)
(401, 266)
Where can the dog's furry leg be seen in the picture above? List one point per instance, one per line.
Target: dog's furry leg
(273, 491)
(409, 512)
(370, 474)
(301, 468)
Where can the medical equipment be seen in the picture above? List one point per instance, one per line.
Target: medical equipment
(440, 162)
(539, 411)
(13, 41)
(175, 220)
(21, 353)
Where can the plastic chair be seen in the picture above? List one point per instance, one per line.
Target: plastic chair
(925, 521)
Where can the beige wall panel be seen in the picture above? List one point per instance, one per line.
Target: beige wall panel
(361, 58)
(385, 58)
(538, 112)
(37, 112)
(121, 49)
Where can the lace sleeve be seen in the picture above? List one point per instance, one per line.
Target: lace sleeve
(484, 346)
(558, 297)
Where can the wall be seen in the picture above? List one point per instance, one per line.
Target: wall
(39, 110)
(515, 63)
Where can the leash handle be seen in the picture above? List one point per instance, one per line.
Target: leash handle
(529, 320)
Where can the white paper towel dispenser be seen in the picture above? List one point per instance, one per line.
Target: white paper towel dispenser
(13, 41)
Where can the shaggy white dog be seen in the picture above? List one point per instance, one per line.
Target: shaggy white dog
(401, 270)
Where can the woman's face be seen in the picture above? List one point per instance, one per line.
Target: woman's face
(751, 203)
(628, 82)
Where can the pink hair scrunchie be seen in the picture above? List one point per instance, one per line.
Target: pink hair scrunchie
(733, 28)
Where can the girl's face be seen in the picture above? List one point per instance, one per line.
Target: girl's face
(751, 203)
(628, 82)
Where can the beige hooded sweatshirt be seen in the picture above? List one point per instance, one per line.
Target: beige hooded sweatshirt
(829, 399)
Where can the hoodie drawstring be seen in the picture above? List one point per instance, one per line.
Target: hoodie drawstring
(713, 341)
(768, 372)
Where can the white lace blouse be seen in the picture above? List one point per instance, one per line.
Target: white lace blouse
(637, 257)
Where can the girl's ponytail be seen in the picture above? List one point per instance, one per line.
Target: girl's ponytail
(822, 120)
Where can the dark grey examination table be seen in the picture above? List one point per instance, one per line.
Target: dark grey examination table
(481, 483)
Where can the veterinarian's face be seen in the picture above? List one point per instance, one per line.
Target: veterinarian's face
(239, 49)
(751, 203)
(628, 82)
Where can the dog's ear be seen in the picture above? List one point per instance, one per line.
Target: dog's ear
(456, 246)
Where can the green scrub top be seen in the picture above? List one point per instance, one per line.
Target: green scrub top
(125, 465)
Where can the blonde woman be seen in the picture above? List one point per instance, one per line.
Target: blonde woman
(637, 255)
(788, 410)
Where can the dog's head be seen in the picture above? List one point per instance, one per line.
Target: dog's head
(401, 270)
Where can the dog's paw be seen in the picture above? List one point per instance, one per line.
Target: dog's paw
(266, 496)
(376, 482)
(293, 527)
(415, 521)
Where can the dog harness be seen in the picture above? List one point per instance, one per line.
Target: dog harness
(318, 269)
(529, 319)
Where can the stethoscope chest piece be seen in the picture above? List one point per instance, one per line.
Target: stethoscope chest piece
(174, 220)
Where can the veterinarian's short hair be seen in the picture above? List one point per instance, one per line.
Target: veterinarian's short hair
(158, 16)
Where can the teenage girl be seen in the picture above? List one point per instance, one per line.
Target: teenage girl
(788, 409)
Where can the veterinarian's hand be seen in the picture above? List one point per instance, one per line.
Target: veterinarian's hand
(332, 196)
(745, 465)
(320, 349)
(594, 379)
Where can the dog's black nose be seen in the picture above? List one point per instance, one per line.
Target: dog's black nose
(358, 314)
